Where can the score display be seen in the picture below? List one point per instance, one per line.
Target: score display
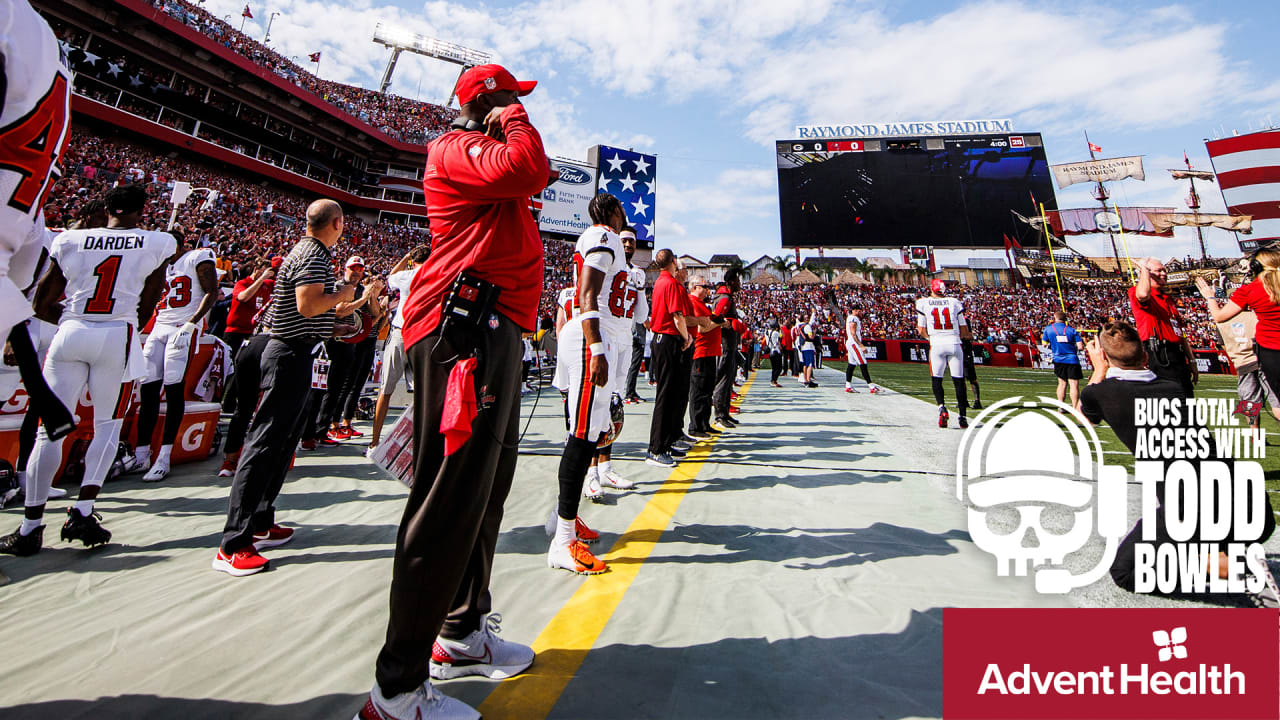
(947, 192)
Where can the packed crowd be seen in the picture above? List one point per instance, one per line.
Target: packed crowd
(245, 221)
(408, 120)
(998, 314)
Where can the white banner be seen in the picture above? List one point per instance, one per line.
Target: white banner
(1104, 170)
(564, 204)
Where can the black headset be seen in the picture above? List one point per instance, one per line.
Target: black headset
(461, 123)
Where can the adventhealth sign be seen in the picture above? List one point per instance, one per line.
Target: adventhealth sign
(935, 127)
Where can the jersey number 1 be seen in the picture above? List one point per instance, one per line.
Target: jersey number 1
(942, 321)
(103, 300)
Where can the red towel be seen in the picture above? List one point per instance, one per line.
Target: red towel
(459, 406)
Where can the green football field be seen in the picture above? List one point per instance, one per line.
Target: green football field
(997, 383)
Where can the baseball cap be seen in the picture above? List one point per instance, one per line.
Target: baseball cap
(276, 262)
(483, 79)
(355, 261)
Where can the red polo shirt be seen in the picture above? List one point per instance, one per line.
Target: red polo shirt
(705, 344)
(240, 315)
(668, 299)
(477, 196)
(1156, 316)
(1253, 296)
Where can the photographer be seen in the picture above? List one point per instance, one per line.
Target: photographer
(479, 178)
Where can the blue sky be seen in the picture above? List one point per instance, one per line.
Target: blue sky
(708, 85)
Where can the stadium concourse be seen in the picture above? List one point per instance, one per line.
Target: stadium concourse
(795, 567)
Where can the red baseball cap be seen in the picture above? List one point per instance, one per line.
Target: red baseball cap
(483, 79)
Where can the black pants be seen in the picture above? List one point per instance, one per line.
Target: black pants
(637, 356)
(272, 440)
(235, 341)
(1169, 362)
(358, 374)
(702, 382)
(775, 366)
(672, 391)
(726, 373)
(248, 367)
(447, 537)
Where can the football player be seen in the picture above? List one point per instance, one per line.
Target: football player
(588, 350)
(112, 279)
(856, 352)
(190, 291)
(941, 320)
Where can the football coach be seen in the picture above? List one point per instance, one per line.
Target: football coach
(479, 178)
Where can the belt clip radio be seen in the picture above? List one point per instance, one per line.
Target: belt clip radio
(467, 308)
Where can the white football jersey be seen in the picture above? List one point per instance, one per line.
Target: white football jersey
(638, 308)
(182, 290)
(853, 329)
(565, 301)
(107, 268)
(942, 318)
(34, 122)
(601, 248)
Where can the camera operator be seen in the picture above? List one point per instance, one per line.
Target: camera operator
(1159, 325)
(479, 178)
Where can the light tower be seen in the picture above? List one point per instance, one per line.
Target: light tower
(401, 40)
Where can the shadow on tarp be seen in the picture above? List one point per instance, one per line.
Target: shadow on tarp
(881, 676)
(151, 707)
(826, 547)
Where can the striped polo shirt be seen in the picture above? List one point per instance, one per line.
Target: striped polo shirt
(309, 263)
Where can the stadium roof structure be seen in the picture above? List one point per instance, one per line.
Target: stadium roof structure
(725, 259)
(804, 277)
(765, 278)
(1108, 264)
(888, 262)
(849, 277)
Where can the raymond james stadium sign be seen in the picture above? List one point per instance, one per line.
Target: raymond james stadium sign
(935, 127)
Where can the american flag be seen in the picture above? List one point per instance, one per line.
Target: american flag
(1248, 169)
(632, 178)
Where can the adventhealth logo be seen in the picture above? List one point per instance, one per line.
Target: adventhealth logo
(1128, 680)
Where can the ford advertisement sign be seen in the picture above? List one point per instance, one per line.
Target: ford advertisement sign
(564, 203)
(574, 175)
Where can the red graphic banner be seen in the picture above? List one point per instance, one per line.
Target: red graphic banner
(1162, 664)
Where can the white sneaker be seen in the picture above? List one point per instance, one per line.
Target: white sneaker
(158, 472)
(591, 488)
(131, 464)
(614, 480)
(480, 653)
(424, 703)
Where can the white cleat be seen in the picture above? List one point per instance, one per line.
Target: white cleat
(158, 472)
(591, 489)
(56, 492)
(614, 480)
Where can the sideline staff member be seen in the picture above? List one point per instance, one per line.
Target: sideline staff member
(304, 301)
(670, 339)
(1065, 343)
(1159, 327)
(479, 178)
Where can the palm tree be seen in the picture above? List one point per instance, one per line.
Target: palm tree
(879, 273)
(784, 264)
(737, 267)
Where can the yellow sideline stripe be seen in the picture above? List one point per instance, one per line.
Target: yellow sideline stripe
(565, 641)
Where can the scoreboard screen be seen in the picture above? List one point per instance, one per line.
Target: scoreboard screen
(947, 192)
